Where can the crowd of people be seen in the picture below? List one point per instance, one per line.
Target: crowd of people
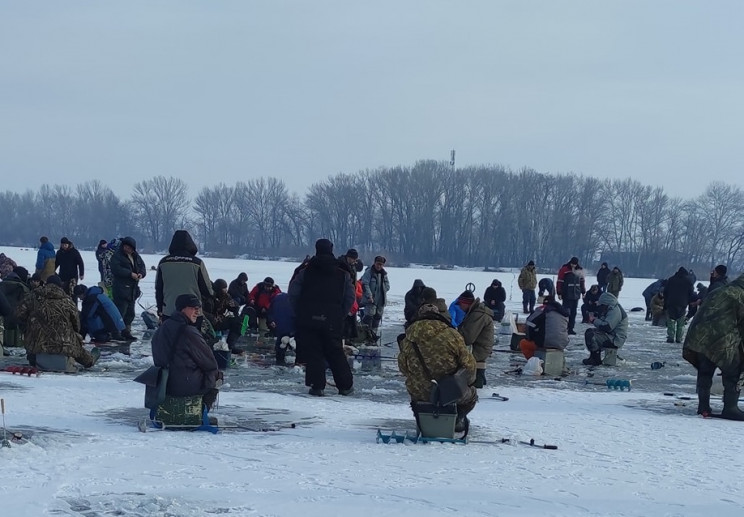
(326, 305)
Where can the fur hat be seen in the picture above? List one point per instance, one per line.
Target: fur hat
(380, 258)
(466, 297)
(352, 253)
(323, 247)
(187, 300)
(54, 279)
(721, 270)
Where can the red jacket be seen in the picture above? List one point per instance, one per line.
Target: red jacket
(261, 298)
(565, 268)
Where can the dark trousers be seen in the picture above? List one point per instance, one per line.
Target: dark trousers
(232, 324)
(317, 348)
(528, 300)
(572, 306)
(126, 309)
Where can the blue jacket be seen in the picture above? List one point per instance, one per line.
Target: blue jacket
(46, 252)
(457, 314)
(281, 313)
(99, 313)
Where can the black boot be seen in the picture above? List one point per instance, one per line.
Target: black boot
(480, 378)
(594, 359)
(731, 409)
(703, 394)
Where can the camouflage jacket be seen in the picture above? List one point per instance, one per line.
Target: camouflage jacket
(717, 328)
(477, 330)
(527, 279)
(50, 322)
(441, 346)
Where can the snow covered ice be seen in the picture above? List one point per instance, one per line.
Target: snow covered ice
(636, 453)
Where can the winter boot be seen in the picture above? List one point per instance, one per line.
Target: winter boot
(346, 392)
(594, 359)
(461, 424)
(127, 335)
(703, 394)
(480, 378)
(96, 354)
(315, 392)
(731, 409)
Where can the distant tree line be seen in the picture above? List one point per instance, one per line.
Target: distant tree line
(428, 213)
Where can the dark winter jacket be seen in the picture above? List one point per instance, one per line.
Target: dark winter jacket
(123, 286)
(98, 313)
(413, 299)
(193, 368)
(494, 298)
(45, 260)
(282, 315)
(591, 299)
(238, 291)
(546, 286)
(14, 291)
(654, 288)
(678, 293)
(602, 275)
(570, 283)
(181, 272)
(6, 311)
(321, 295)
(70, 264)
(717, 283)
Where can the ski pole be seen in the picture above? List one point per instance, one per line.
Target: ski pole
(5, 443)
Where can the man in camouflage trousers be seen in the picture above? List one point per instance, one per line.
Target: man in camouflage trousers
(715, 340)
(444, 352)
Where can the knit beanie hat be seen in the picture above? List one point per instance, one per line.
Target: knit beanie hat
(323, 247)
(466, 297)
(54, 279)
(721, 270)
(352, 253)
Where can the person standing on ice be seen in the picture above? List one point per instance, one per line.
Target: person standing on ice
(444, 352)
(714, 340)
(127, 269)
(527, 282)
(570, 288)
(180, 272)
(375, 285)
(70, 264)
(321, 295)
(678, 293)
(46, 258)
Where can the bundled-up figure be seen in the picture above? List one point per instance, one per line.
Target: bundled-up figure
(649, 293)
(7, 265)
(546, 287)
(180, 272)
(46, 259)
(101, 250)
(591, 302)
(51, 324)
(495, 298)
(714, 340)
(527, 282)
(282, 322)
(477, 331)
(70, 264)
(127, 269)
(375, 285)
(238, 289)
(99, 317)
(547, 327)
(222, 312)
(350, 263)
(570, 288)
(678, 293)
(413, 300)
(259, 302)
(718, 278)
(602, 276)
(321, 295)
(444, 352)
(178, 345)
(615, 282)
(610, 329)
(14, 289)
(658, 313)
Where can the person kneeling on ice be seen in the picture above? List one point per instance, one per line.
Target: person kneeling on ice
(99, 317)
(178, 345)
(610, 329)
(51, 324)
(444, 352)
(715, 340)
(547, 327)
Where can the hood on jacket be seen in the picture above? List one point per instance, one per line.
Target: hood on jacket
(129, 241)
(418, 283)
(607, 299)
(182, 244)
(681, 272)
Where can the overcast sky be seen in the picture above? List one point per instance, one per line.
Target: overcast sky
(231, 90)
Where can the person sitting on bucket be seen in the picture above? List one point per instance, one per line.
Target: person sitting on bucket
(443, 350)
(193, 368)
(610, 329)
